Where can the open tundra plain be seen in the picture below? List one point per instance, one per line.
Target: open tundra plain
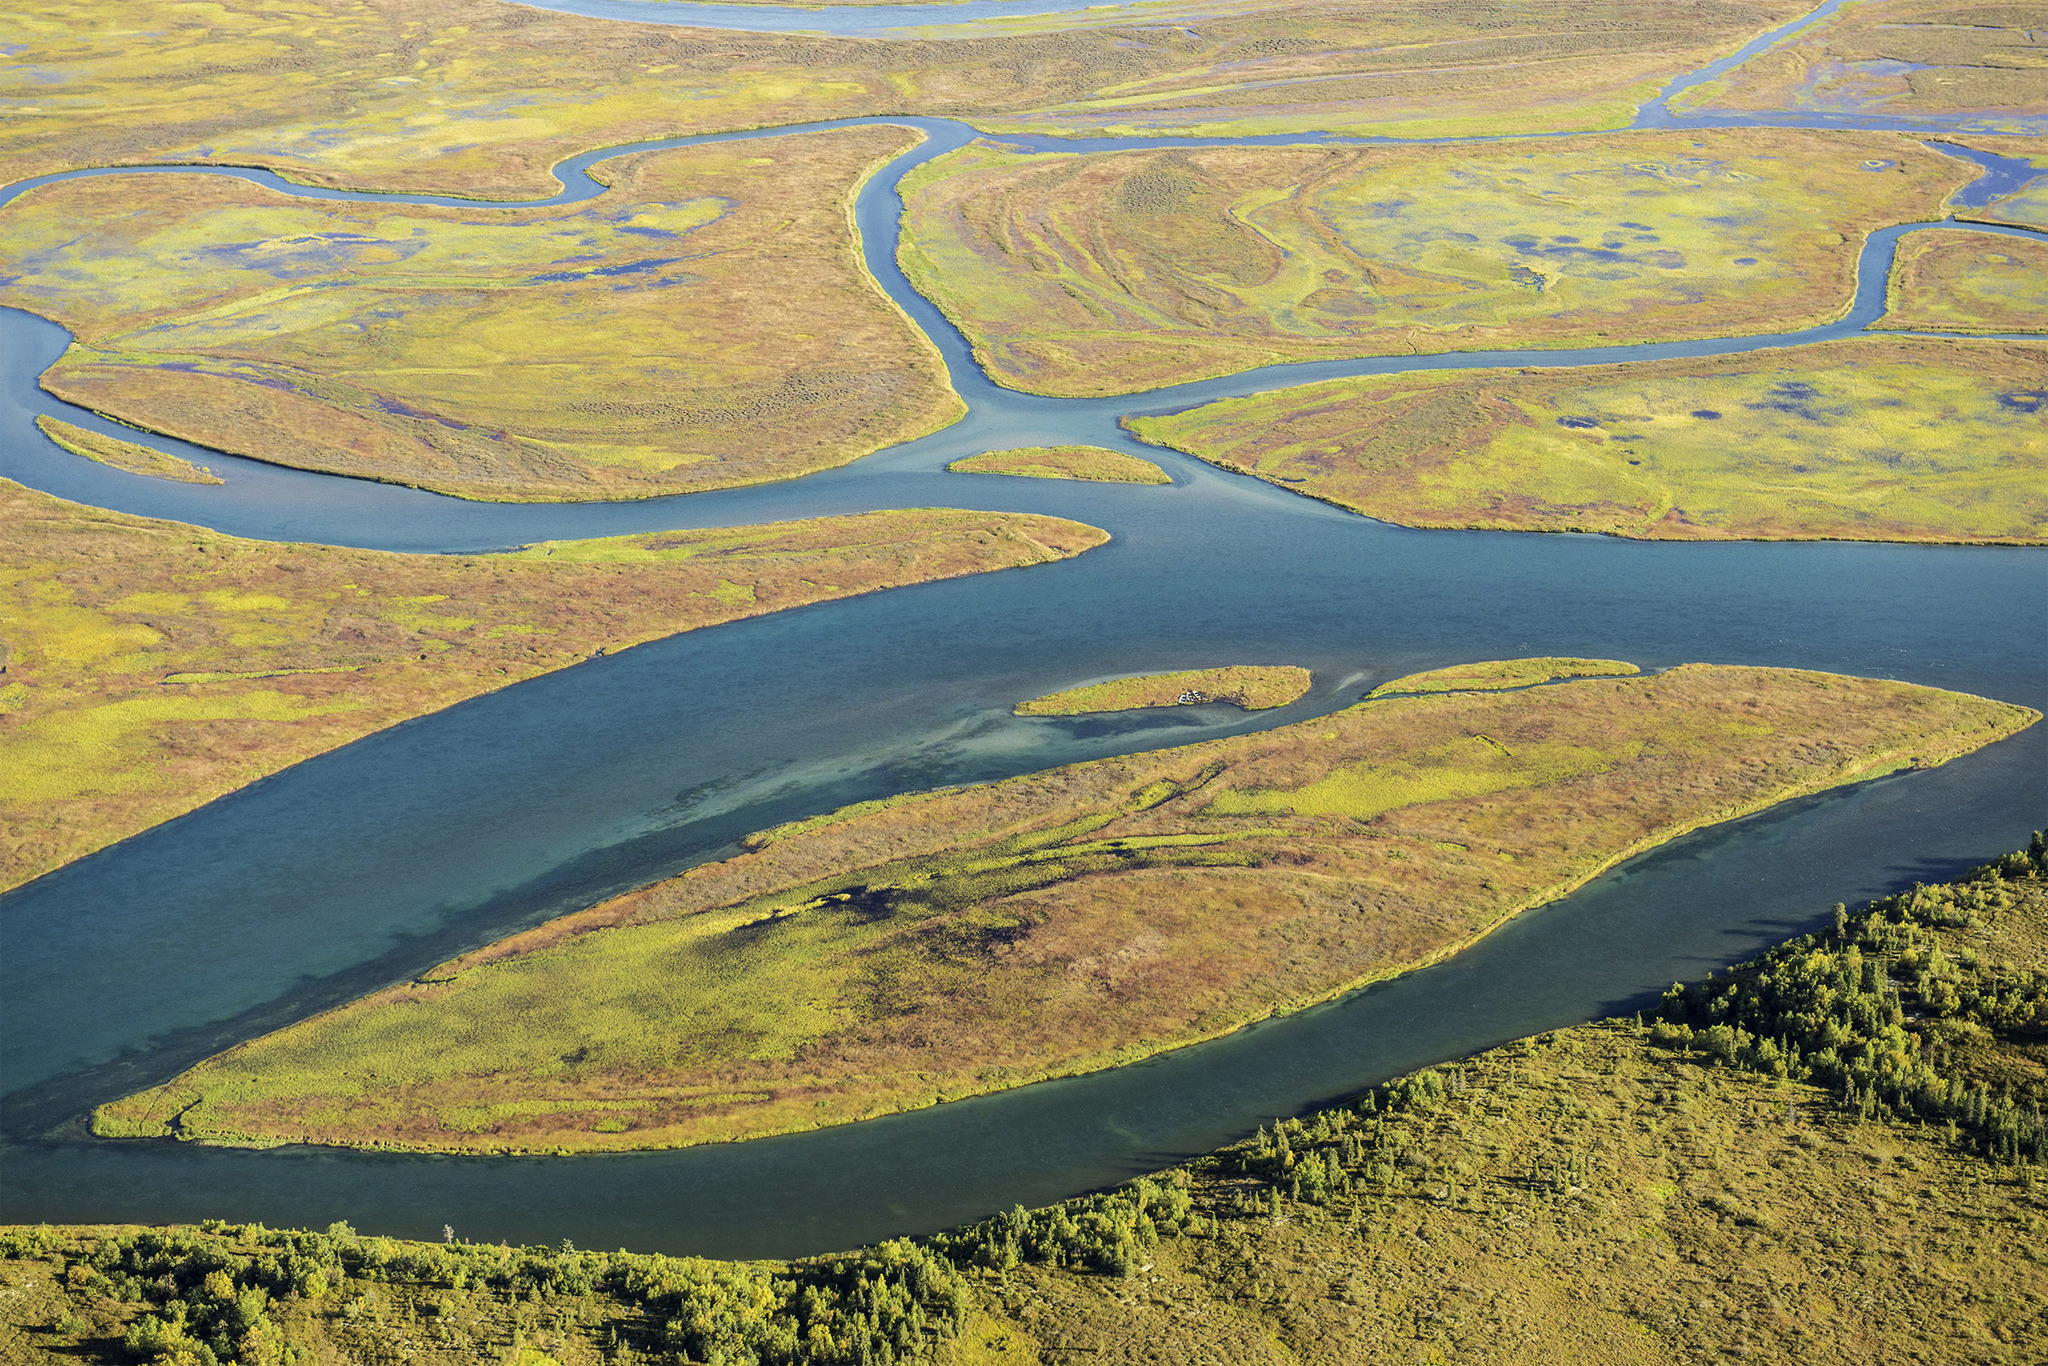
(898, 657)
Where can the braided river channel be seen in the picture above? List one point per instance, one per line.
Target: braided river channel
(371, 863)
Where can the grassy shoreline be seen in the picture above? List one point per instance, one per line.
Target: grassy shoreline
(152, 666)
(961, 964)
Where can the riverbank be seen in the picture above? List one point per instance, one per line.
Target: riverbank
(151, 666)
(979, 938)
(1619, 1192)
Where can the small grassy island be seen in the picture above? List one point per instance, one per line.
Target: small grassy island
(124, 455)
(1832, 1154)
(905, 952)
(1499, 674)
(1253, 687)
(1869, 438)
(1064, 462)
(149, 667)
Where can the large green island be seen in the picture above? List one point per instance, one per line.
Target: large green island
(901, 953)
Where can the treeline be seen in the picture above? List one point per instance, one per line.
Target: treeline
(215, 1305)
(1109, 1232)
(1878, 1010)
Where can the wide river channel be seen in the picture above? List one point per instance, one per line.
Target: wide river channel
(376, 861)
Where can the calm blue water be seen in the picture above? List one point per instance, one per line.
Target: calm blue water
(371, 863)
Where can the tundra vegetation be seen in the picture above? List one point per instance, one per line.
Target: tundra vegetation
(1495, 674)
(460, 98)
(1905, 59)
(131, 456)
(1108, 272)
(1830, 1155)
(1255, 687)
(705, 323)
(149, 667)
(1064, 462)
(902, 953)
(1969, 282)
(1869, 438)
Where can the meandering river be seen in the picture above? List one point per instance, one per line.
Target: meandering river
(373, 862)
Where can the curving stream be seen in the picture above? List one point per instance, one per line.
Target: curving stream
(368, 864)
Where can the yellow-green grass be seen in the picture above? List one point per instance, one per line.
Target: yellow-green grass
(1901, 57)
(1885, 439)
(124, 455)
(1110, 272)
(1255, 687)
(1969, 282)
(1605, 1194)
(707, 323)
(1412, 71)
(148, 667)
(462, 98)
(1064, 462)
(1497, 674)
(977, 938)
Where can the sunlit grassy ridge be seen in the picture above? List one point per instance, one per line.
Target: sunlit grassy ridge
(126, 455)
(1867, 439)
(1117, 271)
(1618, 1193)
(1253, 687)
(706, 323)
(1490, 675)
(1969, 282)
(982, 937)
(480, 99)
(1064, 462)
(1901, 58)
(148, 667)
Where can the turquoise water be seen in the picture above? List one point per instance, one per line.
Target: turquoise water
(371, 863)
